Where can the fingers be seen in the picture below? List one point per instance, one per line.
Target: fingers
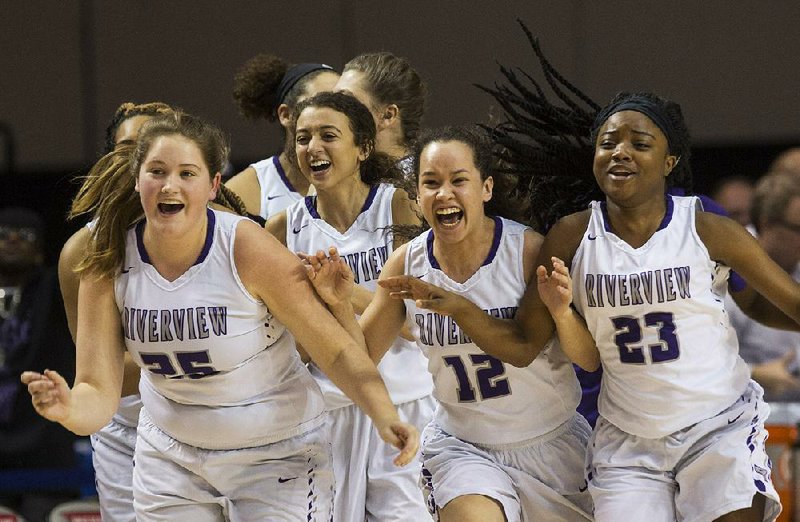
(407, 441)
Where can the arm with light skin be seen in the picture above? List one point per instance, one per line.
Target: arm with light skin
(384, 317)
(71, 255)
(518, 341)
(94, 398)
(288, 293)
(247, 187)
(772, 296)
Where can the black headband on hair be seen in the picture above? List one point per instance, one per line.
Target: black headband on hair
(293, 75)
(644, 106)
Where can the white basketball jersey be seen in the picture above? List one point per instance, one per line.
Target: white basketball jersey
(669, 355)
(481, 399)
(277, 191)
(218, 371)
(365, 246)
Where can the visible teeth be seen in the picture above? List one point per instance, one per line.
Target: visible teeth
(317, 163)
(451, 210)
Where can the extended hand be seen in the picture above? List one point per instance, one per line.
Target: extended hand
(330, 274)
(403, 436)
(50, 394)
(427, 296)
(555, 288)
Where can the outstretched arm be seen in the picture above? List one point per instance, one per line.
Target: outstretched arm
(287, 291)
(94, 398)
(774, 299)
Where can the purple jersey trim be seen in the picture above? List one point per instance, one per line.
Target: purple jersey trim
(282, 174)
(498, 234)
(212, 219)
(664, 222)
(311, 203)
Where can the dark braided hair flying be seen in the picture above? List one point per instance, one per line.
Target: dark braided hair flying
(548, 144)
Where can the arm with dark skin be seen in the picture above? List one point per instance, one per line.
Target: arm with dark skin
(772, 296)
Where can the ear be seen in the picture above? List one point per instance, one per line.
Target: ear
(284, 115)
(389, 116)
(136, 184)
(488, 185)
(215, 183)
(365, 151)
(670, 164)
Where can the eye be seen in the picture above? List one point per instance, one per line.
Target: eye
(607, 144)
(302, 140)
(429, 183)
(187, 173)
(329, 136)
(641, 145)
(156, 171)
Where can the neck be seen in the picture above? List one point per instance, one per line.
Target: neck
(636, 224)
(296, 178)
(461, 259)
(173, 254)
(340, 205)
(391, 145)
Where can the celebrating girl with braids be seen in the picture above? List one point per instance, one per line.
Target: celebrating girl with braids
(637, 285)
(268, 87)
(232, 423)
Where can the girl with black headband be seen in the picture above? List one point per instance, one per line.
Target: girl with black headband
(268, 87)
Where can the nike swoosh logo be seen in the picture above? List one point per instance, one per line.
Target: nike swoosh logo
(126, 270)
(282, 480)
(737, 418)
(297, 230)
(270, 198)
(591, 237)
(584, 488)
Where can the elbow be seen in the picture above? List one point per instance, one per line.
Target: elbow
(522, 360)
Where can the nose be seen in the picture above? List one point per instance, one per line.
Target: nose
(445, 191)
(621, 152)
(314, 144)
(169, 182)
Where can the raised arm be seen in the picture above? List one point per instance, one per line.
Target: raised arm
(774, 299)
(94, 398)
(285, 288)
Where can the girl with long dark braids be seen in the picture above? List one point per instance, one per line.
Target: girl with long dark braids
(681, 430)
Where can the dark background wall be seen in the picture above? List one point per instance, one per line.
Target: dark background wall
(65, 66)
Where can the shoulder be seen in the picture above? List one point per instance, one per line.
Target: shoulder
(276, 225)
(404, 209)
(396, 264)
(565, 237)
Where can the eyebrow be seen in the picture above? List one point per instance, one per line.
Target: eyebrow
(321, 127)
(160, 162)
(614, 131)
(453, 173)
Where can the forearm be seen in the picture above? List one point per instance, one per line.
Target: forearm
(130, 377)
(361, 299)
(766, 313)
(359, 379)
(576, 340)
(90, 409)
(504, 339)
(346, 316)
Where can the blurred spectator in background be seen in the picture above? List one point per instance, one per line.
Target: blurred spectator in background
(773, 355)
(787, 161)
(33, 334)
(735, 195)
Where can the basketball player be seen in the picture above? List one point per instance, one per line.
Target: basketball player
(113, 445)
(506, 442)
(353, 211)
(395, 95)
(268, 87)
(232, 423)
